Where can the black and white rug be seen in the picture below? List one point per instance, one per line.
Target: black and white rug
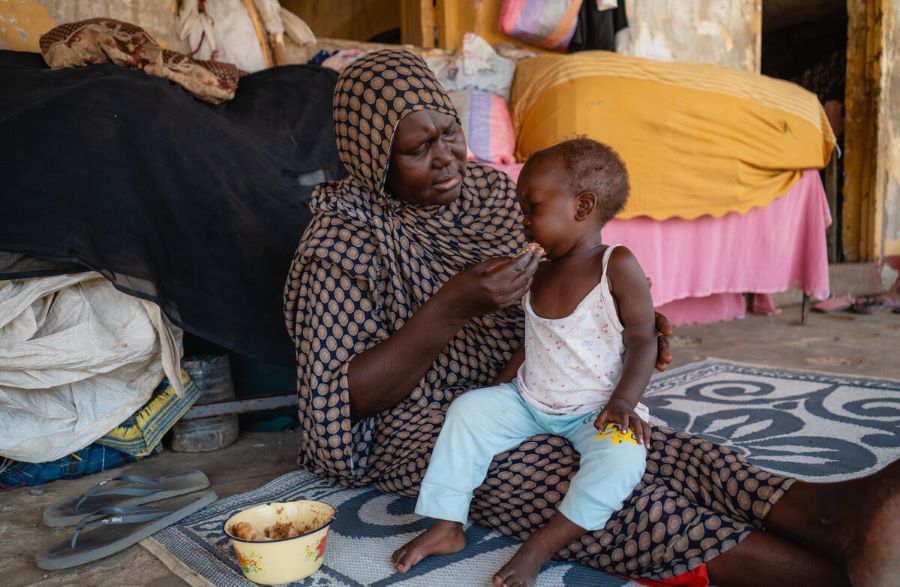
(812, 426)
(809, 425)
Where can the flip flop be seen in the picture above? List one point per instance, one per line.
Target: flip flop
(113, 529)
(122, 491)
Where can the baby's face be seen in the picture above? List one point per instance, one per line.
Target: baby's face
(547, 205)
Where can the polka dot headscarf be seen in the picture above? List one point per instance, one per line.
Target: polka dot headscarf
(372, 96)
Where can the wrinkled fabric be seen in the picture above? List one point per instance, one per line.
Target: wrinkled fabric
(77, 357)
(104, 40)
(192, 206)
(477, 66)
(364, 266)
(599, 27)
(697, 139)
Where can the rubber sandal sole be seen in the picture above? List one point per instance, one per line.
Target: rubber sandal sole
(62, 514)
(103, 541)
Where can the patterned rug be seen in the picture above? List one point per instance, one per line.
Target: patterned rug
(809, 425)
(813, 426)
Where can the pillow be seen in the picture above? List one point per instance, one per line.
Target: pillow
(487, 125)
(544, 23)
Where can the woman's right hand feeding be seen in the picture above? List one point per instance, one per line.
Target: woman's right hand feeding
(489, 286)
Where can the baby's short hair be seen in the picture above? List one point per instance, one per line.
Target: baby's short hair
(594, 167)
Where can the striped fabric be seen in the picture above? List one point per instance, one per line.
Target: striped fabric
(544, 23)
(487, 125)
(142, 432)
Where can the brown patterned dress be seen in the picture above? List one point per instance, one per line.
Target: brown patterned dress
(368, 261)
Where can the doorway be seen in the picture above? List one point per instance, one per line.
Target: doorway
(805, 42)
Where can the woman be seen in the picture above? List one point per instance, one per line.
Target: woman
(403, 295)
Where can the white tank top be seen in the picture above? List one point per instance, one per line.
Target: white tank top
(572, 364)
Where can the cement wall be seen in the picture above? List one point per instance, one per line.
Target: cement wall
(720, 32)
(22, 22)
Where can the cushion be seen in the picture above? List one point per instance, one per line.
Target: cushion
(487, 125)
(544, 23)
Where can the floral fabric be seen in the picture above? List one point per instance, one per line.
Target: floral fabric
(104, 40)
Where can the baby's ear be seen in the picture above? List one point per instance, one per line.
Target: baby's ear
(586, 202)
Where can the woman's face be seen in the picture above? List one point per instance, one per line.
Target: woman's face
(428, 159)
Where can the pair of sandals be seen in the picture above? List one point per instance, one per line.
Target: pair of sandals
(112, 515)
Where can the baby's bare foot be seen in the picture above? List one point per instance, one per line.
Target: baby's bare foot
(521, 570)
(442, 538)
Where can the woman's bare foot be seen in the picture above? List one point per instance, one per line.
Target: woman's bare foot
(855, 522)
(521, 570)
(873, 559)
(443, 537)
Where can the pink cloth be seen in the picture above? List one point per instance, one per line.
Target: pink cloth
(701, 268)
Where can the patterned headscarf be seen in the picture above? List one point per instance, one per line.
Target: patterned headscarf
(372, 95)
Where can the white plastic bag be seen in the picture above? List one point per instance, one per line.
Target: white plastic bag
(476, 67)
(77, 357)
(224, 32)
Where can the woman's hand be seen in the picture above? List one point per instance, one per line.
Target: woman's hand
(488, 286)
(620, 413)
(663, 332)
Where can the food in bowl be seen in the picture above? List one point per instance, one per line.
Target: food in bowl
(280, 542)
(277, 531)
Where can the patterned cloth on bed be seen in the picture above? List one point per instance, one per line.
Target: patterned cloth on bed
(104, 40)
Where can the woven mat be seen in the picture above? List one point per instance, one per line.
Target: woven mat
(809, 425)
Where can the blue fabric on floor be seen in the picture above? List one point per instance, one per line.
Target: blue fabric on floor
(91, 459)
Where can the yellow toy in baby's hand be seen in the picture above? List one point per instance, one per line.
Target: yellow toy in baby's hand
(615, 434)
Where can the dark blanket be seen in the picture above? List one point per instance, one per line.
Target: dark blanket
(196, 207)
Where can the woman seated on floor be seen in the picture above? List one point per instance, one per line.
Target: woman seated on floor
(403, 294)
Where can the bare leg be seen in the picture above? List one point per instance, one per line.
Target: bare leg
(856, 522)
(765, 559)
(523, 568)
(444, 537)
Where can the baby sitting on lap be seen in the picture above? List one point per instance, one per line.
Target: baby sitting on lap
(588, 353)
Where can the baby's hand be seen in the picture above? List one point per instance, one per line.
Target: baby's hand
(618, 412)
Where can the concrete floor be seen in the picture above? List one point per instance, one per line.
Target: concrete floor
(840, 343)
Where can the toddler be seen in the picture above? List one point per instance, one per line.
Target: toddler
(588, 353)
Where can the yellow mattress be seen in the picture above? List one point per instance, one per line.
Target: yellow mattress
(697, 139)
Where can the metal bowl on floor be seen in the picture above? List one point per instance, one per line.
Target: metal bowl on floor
(272, 561)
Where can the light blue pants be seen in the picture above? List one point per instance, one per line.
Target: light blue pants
(485, 422)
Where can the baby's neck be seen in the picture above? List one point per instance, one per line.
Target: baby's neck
(586, 247)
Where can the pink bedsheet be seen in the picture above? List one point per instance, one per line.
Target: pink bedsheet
(701, 268)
